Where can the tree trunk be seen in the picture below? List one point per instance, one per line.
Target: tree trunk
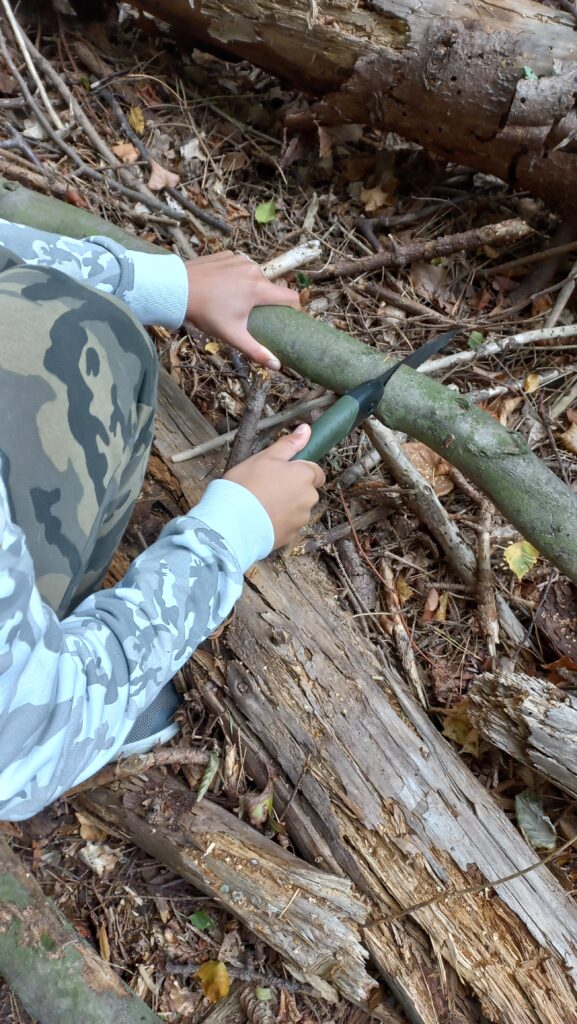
(312, 918)
(380, 789)
(58, 978)
(487, 85)
(530, 719)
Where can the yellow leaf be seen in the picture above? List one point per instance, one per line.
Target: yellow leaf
(126, 152)
(404, 591)
(212, 347)
(457, 727)
(531, 383)
(214, 979)
(136, 120)
(374, 199)
(569, 439)
(441, 615)
(521, 557)
(103, 944)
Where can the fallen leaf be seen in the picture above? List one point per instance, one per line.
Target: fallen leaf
(208, 776)
(264, 994)
(99, 858)
(259, 805)
(214, 979)
(374, 199)
(541, 305)
(103, 943)
(441, 613)
(428, 278)
(234, 161)
(507, 406)
(521, 557)
(265, 212)
(202, 921)
(531, 382)
(475, 339)
(569, 439)
(212, 347)
(89, 831)
(537, 828)
(530, 74)
(431, 466)
(136, 120)
(404, 591)
(192, 150)
(457, 727)
(160, 177)
(75, 199)
(431, 605)
(179, 1000)
(126, 152)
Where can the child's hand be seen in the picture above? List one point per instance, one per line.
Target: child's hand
(287, 490)
(222, 290)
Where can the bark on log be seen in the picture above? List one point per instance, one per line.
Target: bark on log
(380, 789)
(530, 719)
(496, 460)
(488, 85)
(309, 916)
(58, 978)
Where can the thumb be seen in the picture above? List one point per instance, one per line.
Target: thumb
(288, 446)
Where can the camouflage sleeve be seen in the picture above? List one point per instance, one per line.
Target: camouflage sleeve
(155, 287)
(70, 691)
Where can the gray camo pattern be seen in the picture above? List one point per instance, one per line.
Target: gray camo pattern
(78, 379)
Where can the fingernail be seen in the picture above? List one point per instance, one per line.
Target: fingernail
(301, 429)
(273, 364)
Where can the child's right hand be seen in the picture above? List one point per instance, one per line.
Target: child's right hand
(287, 490)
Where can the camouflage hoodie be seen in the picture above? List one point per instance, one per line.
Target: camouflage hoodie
(71, 690)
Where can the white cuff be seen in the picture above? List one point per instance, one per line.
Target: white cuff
(233, 512)
(159, 294)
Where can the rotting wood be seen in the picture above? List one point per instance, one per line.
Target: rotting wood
(530, 719)
(486, 85)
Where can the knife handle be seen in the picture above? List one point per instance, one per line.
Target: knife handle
(330, 428)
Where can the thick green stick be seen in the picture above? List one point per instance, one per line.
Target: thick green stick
(57, 976)
(497, 460)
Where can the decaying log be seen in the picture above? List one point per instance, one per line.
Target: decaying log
(530, 719)
(309, 916)
(380, 789)
(487, 85)
(58, 977)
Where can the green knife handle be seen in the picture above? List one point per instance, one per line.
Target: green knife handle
(330, 428)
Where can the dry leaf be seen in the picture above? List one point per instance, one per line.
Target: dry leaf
(374, 199)
(214, 979)
(541, 305)
(89, 831)
(192, 150)
(521, 557)
(457, 727)
(569, 439)
(428, 279)
(136, 120)
(431, 466)
(160, 177)
(75, 199)
(441, 613)
(234, 161)
(404, 591)
(126, 152)
(259, 805)
(212, 347)
(508, 405)
(99, 858)
(532, 382)
(431, 605)
(103, 943)
(179, 1000)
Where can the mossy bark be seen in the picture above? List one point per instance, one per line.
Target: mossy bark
(497, 460)
(58, 978)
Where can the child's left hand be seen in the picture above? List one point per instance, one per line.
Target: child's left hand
(223, 288)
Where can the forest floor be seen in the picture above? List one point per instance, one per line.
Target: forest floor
(219, 128)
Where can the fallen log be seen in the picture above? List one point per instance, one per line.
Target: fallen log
(379, 789)
(312, 918)
(530, 719)
(487, 85)
(58, 977)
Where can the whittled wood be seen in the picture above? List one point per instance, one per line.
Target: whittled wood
(530, 719)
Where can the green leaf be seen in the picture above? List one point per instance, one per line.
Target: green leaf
(537, 828)
(521, 557)
(475, 339)
(265, 212)
(209, 773)
(259, 805)
(530, 74)
(302, 280)
(264, 994)
(202, 921)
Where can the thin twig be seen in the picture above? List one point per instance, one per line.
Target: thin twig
(140, 763)
(247, 428)
(396, 625)
(491, 348)
(23, 45)
(485, 589)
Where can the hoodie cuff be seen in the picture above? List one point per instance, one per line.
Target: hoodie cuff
(159, 293)
(233, 512)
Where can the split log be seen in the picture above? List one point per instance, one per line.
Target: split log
(381, 794)
(530, 719)
(312, 918)
(57, 976)
(487, 85)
